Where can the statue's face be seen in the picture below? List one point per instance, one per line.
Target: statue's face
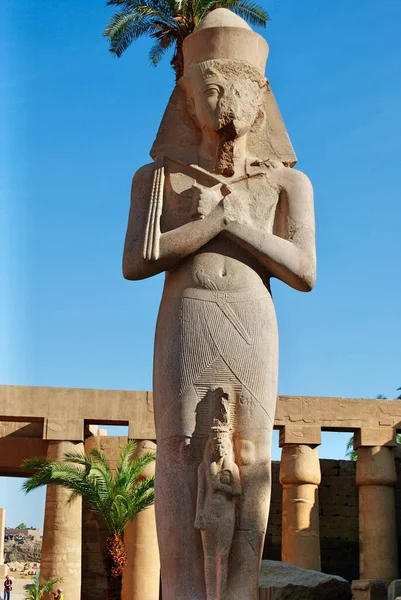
(225, 96)
(221, 446)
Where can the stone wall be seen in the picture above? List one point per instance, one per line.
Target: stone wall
(338, 506)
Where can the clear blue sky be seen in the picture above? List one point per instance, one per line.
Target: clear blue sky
(76, 124)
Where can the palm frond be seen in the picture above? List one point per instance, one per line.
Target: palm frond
(143, 496)
(125, 457)
(169, 22)
(116, 497)
(137, 466)
(350, 453)
(37, 591)
(47, 586)
(250, 11)
(123, 29)
(202, 8)
(130, 24)
(31, 464)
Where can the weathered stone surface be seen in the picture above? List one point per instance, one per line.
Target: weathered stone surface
(376, 477)
(62, 532)
(221, 213)
(280, 581)
(300, 477)
(136, 408)
(141, 579)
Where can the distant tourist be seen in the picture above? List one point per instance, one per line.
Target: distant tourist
(8, 586)
(58, 595)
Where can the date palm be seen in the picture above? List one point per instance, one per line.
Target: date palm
(36, 591)
(116, 495)
(168, 23)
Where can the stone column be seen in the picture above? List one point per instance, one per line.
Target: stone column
(376, 477)
(142, 575)
(3, 567)
(62, 531)
(300, 477)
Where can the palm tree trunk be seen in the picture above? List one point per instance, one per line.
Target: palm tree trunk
(115, 559)
(177, 62)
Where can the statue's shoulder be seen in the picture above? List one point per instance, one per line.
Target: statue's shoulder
(290, 178)
(142, 184)
(144, 173)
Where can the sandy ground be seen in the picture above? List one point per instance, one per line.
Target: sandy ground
(18, 592)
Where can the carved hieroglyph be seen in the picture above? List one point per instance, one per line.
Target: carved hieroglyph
(221, 212)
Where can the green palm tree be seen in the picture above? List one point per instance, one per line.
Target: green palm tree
(37, 591)
(168, 23)
(117, 496)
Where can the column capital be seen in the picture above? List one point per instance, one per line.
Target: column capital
(299, 465)
(375, 466)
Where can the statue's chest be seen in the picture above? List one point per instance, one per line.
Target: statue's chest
(257, 196)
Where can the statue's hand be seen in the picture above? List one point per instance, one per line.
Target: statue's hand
(206, 199)
(215, 484)
(235, 211)
(200, 522)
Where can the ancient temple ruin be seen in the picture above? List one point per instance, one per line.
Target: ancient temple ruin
(356, 521)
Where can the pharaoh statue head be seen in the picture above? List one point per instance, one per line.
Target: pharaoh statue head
(224, 80)
(220, 438)
(223, 90)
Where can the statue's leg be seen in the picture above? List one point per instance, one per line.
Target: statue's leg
(181, 554)
(217, 541)
(224, 548)
(209, 541)
(253, 448)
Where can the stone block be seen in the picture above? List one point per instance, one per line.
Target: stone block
(369, 589)
(375, 436)
(55, 429)
(300, 434)
(142, 427)
(281, 581)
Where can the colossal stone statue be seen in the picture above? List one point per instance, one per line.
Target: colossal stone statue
(221, 212)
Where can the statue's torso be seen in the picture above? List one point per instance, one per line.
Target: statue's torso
(221, 264)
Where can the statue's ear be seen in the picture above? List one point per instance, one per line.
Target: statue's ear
(178, 137)
(268, 137)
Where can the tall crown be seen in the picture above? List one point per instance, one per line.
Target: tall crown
(222, 34)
